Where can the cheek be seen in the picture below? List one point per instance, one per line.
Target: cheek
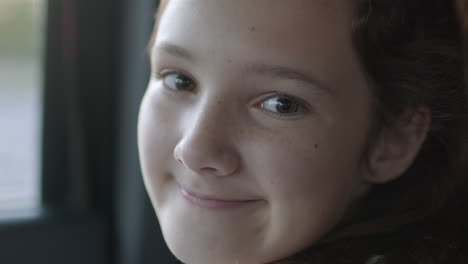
(308, 184)
(156, 139)
(289, 165)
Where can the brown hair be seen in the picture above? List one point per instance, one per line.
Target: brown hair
(411, 52)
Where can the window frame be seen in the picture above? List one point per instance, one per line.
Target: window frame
(73, 224)
(94, 206)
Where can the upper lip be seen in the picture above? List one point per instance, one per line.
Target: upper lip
(215, 198)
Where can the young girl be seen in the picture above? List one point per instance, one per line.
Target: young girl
(306, 131)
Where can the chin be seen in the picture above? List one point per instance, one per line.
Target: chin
(207, 256)
(194, 251)
(200, 253)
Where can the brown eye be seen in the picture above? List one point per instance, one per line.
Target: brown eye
(177, 81)
(282, 105)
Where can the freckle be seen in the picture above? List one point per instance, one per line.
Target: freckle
(229, 60)
(219, 102)
(316, 146)
(252, 29)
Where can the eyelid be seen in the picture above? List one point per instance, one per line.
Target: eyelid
(304, 106)
(165, 72)
(283, 95)
(159, 75)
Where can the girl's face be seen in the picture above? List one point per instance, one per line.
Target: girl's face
(253, 125)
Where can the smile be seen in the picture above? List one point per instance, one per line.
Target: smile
(212, 203)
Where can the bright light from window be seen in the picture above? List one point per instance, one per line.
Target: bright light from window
(21, 33)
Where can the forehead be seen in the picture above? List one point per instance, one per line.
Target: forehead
(309, 34)
(292, 20)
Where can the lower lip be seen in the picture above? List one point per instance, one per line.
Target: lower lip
(211, 203)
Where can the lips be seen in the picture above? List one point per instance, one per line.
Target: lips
(213, 203)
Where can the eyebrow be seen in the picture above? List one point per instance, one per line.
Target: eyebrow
(175, 50)
(273, 71)
(286, 73)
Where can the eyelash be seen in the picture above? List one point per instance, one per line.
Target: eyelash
(300, 105)
(168, 72)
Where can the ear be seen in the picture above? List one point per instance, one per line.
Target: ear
(397, 147)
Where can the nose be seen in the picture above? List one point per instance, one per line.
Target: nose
(206, 146)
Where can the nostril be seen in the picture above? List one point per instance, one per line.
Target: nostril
(208, 170)
(205, 159)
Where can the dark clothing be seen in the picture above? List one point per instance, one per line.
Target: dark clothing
(428, 241)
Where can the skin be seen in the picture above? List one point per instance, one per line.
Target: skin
(221, 135)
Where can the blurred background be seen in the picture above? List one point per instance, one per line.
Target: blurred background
(21, 35)
(72, 75)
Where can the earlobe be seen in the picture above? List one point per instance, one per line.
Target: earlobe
(397, 147)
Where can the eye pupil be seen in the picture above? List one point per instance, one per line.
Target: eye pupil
(178, 82)
(285, 105)
(183, 82)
